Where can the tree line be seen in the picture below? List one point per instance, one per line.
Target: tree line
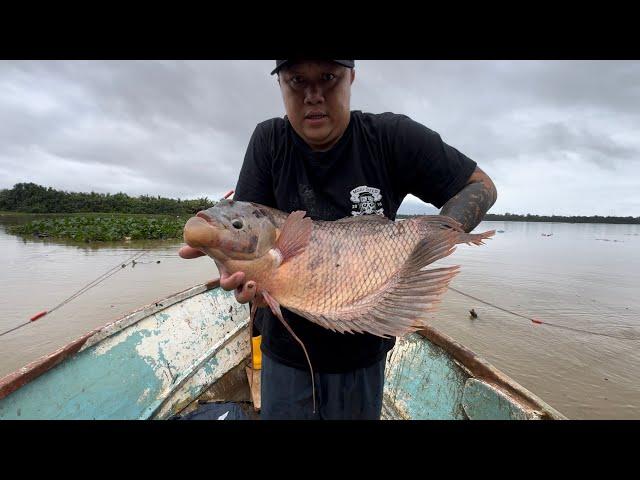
(32, 198)
(514, 217)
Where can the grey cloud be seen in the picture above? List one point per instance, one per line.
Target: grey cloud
(180, 128)
(592, 146)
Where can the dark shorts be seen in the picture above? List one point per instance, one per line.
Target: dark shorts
(286, 393)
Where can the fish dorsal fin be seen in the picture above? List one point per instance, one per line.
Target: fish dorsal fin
(295, 235)
(406, 302)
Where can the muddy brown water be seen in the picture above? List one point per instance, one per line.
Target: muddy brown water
(584, 277)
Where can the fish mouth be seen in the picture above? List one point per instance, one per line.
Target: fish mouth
(203, 214)
(201, 232)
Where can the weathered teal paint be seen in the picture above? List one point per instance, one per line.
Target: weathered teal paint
(88, 386)
(136, 367)
(430, 376)
(423, 382)
(484, 402)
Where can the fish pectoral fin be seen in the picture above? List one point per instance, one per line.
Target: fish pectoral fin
(295, 235)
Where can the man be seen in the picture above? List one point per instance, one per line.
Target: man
(332, 163)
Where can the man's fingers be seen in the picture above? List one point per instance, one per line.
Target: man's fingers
(190, 252)
(231, 282)
(246, 292)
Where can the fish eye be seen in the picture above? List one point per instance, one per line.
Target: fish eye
(237, 223)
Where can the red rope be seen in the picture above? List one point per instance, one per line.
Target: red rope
(38, 315)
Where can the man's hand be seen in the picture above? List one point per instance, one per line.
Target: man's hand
(244, 292)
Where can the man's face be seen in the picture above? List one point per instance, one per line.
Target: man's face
(317, 96)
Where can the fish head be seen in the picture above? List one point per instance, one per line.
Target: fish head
(232, 230)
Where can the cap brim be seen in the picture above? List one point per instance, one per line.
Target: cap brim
(344, 63)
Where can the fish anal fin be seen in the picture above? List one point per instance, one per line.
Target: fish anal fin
(295, 235)
(275, 308)
(272, 303)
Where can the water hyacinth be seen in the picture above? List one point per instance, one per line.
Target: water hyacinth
(93, 228)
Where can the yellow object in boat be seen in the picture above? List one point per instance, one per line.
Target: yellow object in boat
(256, 359)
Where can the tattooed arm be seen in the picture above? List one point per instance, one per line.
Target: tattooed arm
(471, 203)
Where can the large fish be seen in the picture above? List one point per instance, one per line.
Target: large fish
(359, 274)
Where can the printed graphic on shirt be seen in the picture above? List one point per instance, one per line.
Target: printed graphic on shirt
(366, 201)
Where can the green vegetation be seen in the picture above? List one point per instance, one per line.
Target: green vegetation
(32, 198)
(91, 228)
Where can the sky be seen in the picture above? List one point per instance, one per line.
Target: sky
(556, 137)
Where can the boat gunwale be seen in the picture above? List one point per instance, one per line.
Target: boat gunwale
(481, 369)
(18, 378)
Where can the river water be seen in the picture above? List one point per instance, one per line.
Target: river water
(584, 279)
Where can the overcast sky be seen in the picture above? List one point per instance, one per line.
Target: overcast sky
(557, 137)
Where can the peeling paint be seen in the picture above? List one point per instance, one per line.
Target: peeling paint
(144, 395)
(135, 367)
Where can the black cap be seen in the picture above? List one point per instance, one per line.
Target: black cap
(345, 63)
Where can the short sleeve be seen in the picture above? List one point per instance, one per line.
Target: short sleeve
(422, 163)
(255, 182)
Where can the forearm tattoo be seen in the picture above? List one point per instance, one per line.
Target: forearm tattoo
(470, 205)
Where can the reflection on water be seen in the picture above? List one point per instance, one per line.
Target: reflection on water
(571, 278)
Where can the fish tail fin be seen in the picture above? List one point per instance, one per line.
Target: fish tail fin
(445, 222)
(475, 238)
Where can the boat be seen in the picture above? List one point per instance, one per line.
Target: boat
(181, 354)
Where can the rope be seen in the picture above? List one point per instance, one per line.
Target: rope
(112, 271)
(100, 279)
(535, 320)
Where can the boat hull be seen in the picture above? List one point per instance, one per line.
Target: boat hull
(429, 376)
(149, 364)
(160, 360)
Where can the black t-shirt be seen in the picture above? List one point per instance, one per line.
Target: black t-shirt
(377, 162)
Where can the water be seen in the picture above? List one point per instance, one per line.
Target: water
(573, 279)
(38, 274)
